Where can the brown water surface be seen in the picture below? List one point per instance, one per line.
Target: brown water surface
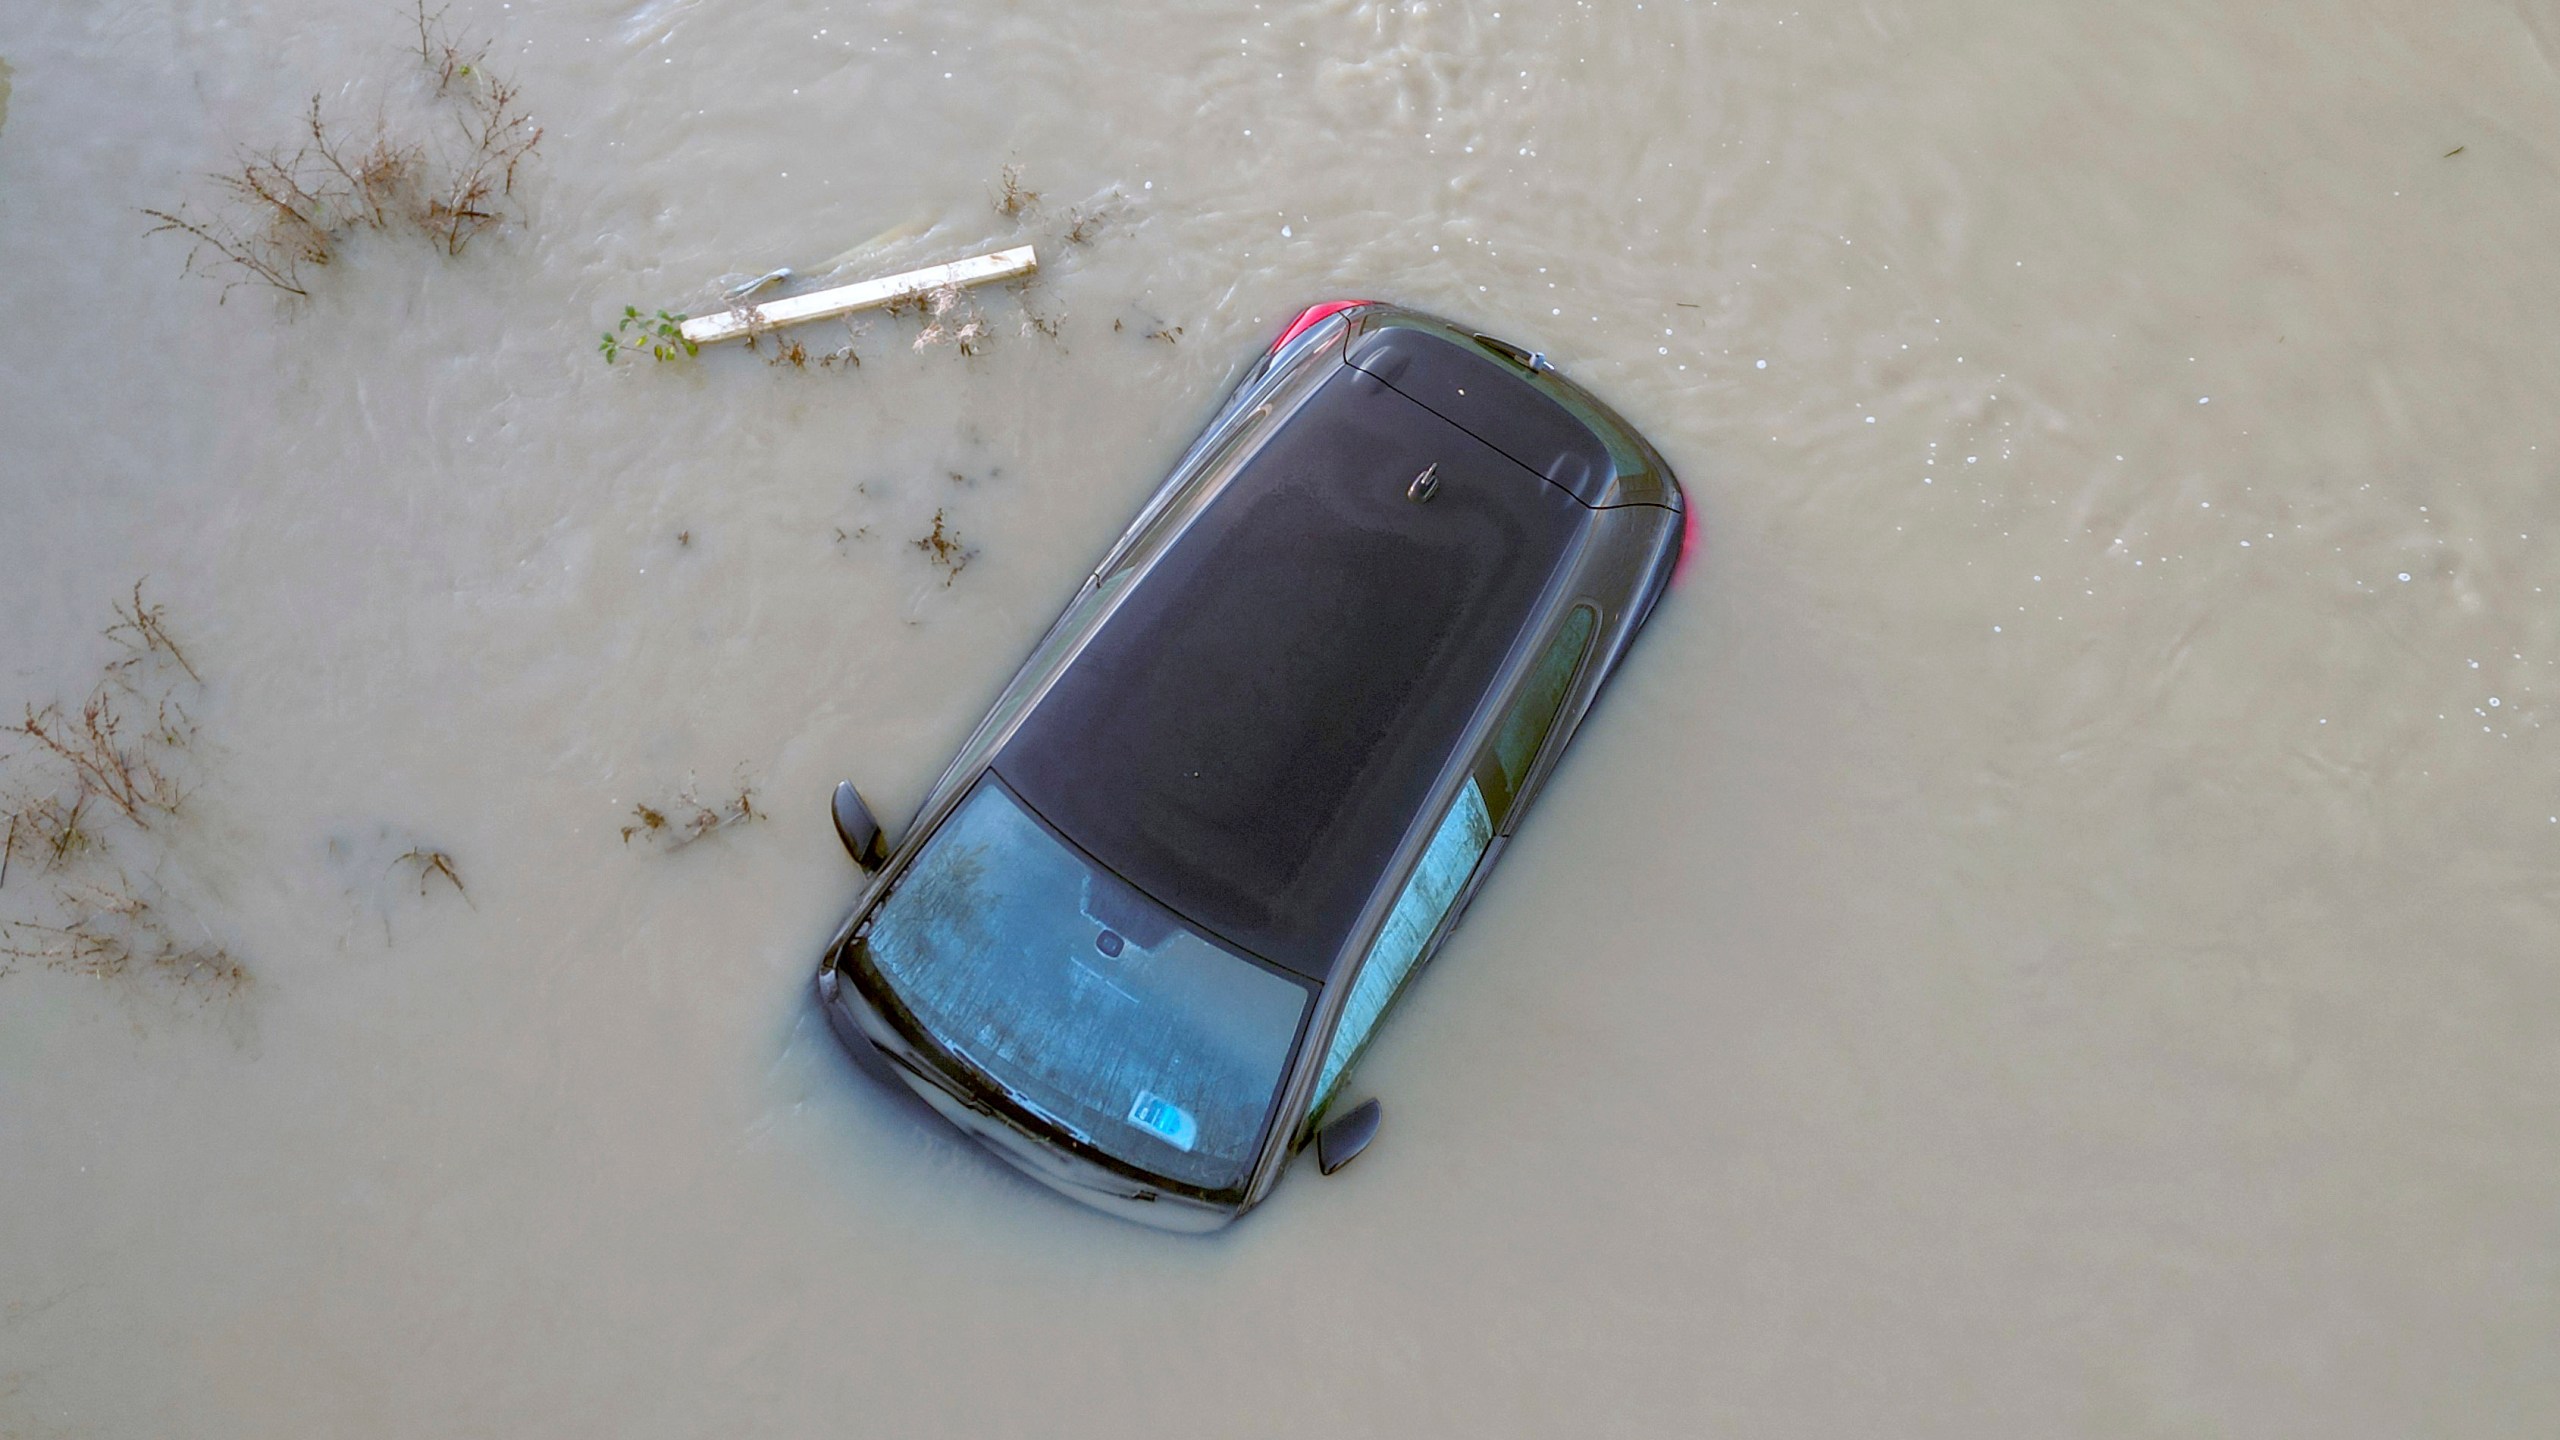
(2053, 932)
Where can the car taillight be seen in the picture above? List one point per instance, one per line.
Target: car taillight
(1688, 539)
(1308, 317)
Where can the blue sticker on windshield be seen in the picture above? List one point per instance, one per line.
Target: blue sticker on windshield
(1165, 1120)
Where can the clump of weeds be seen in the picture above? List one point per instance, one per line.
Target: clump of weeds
(88, 793)
(446, 173)
(943, 548)
(1013, 199)
(677, 823)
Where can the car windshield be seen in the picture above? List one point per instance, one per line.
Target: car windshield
(1083, 998)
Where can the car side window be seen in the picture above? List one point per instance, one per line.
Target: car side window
(1437, 882)
(1524, 730)
(1449, 861)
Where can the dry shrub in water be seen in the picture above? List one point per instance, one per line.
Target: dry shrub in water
(685, 819)
(288, 208)
(110, 931)
(441, 53)
(497, 135)
(284, 209)
(100, 754)
(87, 793)
(105, 758)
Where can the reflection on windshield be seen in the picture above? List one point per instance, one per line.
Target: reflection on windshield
(1084, 997)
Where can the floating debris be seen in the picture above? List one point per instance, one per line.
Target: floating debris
(685, 819)
(741, 321)
(943, 547)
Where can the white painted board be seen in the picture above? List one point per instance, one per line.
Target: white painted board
(868, 295)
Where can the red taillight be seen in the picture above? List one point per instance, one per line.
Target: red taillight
(1308, 317)
(1688, 540)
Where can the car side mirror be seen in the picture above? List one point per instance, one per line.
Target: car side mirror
(859, 832)
(1346, 1135)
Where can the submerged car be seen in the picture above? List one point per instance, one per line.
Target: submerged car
(1143, 925)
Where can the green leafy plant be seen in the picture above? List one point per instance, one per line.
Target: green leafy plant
(659, 336)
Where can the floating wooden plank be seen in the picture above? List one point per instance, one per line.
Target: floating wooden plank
(868, 295)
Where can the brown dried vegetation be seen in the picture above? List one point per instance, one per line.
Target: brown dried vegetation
(100, 753)
(88, 791)
(1085, 225)
(951, 317)
(942, 546)
(685, 819)
(110, 931)
(441, 54)
(1013, 198)
(288, 208)
(432, 864)
(780, 349)
(480, 177)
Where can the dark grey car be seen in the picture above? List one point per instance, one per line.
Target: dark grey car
(1246, 785)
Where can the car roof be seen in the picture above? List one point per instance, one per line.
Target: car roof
(1249, 735)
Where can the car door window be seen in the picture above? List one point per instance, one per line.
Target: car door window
(1533, 715)
(1436, 885)
(1450, 860)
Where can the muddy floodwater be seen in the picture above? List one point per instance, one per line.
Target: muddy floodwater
(2055, 930)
